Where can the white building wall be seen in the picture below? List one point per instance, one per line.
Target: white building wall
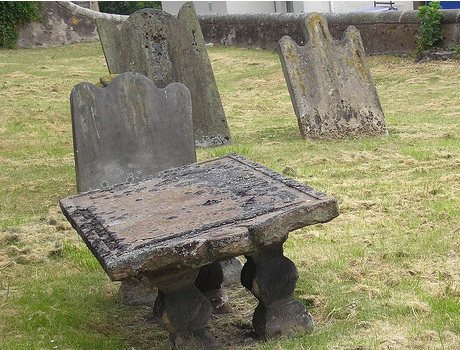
(316, 6)
(211, 7)
(171, 7)
(298, 6)
(223, 7)
(282, 6)
(250, 6)
(339, 6)
(201, 7)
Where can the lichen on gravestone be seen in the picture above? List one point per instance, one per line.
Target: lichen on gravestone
(105, 80)
(168, 49)
(330, 84)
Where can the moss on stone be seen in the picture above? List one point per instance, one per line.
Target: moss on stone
(105, 80)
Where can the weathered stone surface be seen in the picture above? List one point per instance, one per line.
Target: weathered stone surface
(183, 310)
(169, 49)
(330, 84)
(193, 216)
(272, 278)
(142, 45)
(137, 292)
(176, 227)
(129, 130)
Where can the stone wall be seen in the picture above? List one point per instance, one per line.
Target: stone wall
(381, 32)
(63, 23)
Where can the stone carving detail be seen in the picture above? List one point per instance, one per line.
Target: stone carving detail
(169, 49)
(330, 84)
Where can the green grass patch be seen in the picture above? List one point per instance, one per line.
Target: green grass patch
(384, 274)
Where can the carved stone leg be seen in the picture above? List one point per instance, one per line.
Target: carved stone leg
(272, 277)
(209, 282)
(183, 310)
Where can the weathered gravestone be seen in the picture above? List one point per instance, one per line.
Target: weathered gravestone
(129, 130)
(169, 49)
(126, 132)
(330, 84)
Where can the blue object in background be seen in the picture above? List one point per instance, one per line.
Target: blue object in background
(446, 5)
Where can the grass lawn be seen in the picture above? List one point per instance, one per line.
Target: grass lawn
(383, 275)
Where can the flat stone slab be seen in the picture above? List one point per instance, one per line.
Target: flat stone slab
(194, 215)
(330, 84)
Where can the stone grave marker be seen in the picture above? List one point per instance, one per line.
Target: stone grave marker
(169, 49)
(330, 84)
(129, 130)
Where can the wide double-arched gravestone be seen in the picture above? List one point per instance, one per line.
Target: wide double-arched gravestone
(129, 130)
(169, 49)
(331, 87)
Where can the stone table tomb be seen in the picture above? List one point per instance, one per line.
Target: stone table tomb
(167, 227)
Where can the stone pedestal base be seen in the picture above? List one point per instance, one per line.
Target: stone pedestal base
(183, 310)
(209, 282)
(272, 277)
(139, 291)
(289, 318)
(197, 340)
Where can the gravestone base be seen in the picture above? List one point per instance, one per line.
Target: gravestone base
(198, 340)
(210, 281)
(282, 320)
(183, 310)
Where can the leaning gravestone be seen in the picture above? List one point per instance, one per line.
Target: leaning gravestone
(129, 130)
(167, 49)
(330, 84)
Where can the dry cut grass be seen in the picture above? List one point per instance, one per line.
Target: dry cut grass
(383, 275)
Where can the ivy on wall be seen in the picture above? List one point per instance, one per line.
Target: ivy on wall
(13, 15)
(430, 19)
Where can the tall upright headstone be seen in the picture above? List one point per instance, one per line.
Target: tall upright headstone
(129, 130)
(169, 49)
(330, 84)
